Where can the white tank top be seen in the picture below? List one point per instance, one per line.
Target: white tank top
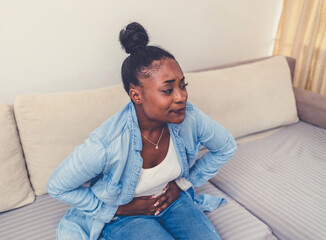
(153, 180)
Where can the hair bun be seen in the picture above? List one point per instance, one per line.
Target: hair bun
(133, 37)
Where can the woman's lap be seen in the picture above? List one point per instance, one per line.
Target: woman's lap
(186, 221)
(181, 220)
(135, 228)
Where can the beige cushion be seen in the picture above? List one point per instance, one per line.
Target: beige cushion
(248, 98)
(15, 188)
(52, 125)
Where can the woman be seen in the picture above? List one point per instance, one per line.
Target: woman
(142, 161)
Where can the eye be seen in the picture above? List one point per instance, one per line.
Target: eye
(184, 86)
(168, 91)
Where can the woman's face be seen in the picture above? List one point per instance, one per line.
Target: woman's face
(163, 94)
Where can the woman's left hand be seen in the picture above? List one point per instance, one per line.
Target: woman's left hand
(170, 194)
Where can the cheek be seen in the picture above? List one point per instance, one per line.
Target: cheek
(161, 102)
(157, 105)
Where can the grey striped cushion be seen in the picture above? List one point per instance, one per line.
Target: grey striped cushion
(37, 221)
(282, 179)
(233, 222)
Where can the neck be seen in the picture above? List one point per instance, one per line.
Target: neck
(146, 124)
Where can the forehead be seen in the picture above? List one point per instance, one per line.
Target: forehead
(166, 69)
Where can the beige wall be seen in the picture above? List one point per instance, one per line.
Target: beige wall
(69, 45)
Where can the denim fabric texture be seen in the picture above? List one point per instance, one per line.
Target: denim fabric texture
(110, 158)
(181, 220)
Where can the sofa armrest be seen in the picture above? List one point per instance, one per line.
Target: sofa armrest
(311, 107)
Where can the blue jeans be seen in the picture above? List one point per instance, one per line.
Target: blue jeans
(181, 220)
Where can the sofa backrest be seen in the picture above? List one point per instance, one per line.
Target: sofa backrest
(52, 125)
(15, 188)
(290, 61)
(247, 98)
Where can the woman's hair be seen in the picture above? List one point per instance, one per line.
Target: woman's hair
(138, 64)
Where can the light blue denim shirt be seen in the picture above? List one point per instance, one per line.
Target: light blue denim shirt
(110, 158)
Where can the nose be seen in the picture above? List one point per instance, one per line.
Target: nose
(181, 96)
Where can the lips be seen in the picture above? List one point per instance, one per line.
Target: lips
(179, 111)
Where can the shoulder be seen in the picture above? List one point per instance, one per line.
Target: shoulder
(189, 124)
(196, 120)
(191, 114)
(195, 114)
(114, 127)
(190, 106)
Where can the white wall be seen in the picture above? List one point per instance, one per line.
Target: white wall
(70, 45)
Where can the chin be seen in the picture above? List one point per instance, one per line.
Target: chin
(178, 120)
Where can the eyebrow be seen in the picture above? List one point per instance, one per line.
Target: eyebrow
(173, 80)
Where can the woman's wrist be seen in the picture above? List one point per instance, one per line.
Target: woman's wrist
(120, 210)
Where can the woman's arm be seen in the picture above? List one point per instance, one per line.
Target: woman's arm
(86, 162)
(218, 141)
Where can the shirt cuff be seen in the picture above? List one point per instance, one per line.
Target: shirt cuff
(183, 183)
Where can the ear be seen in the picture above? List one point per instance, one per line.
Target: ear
(135, 94)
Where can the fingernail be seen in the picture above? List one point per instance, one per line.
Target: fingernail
(154, 196)
(157, 213)
(155, 204)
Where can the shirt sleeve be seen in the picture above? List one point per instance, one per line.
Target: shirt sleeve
(65, 184)
(218, 141)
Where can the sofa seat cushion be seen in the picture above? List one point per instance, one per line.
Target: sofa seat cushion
(233, 221)
(36, 221)
(281, 179)
(40, 219)
(247, 98)
(15, 188)
(52, 125)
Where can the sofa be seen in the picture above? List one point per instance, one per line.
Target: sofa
(275, 184)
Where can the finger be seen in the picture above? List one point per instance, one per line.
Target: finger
(162, 208)
(168, 194)
(167, 187)
(172, 192)
(161, 193)
(151, 211)
(147, 197)
(160, 201)
(146, 209)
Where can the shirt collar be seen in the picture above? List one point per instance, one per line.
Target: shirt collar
(134, 126)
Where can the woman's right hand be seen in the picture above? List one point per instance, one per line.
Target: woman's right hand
(138, 206)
